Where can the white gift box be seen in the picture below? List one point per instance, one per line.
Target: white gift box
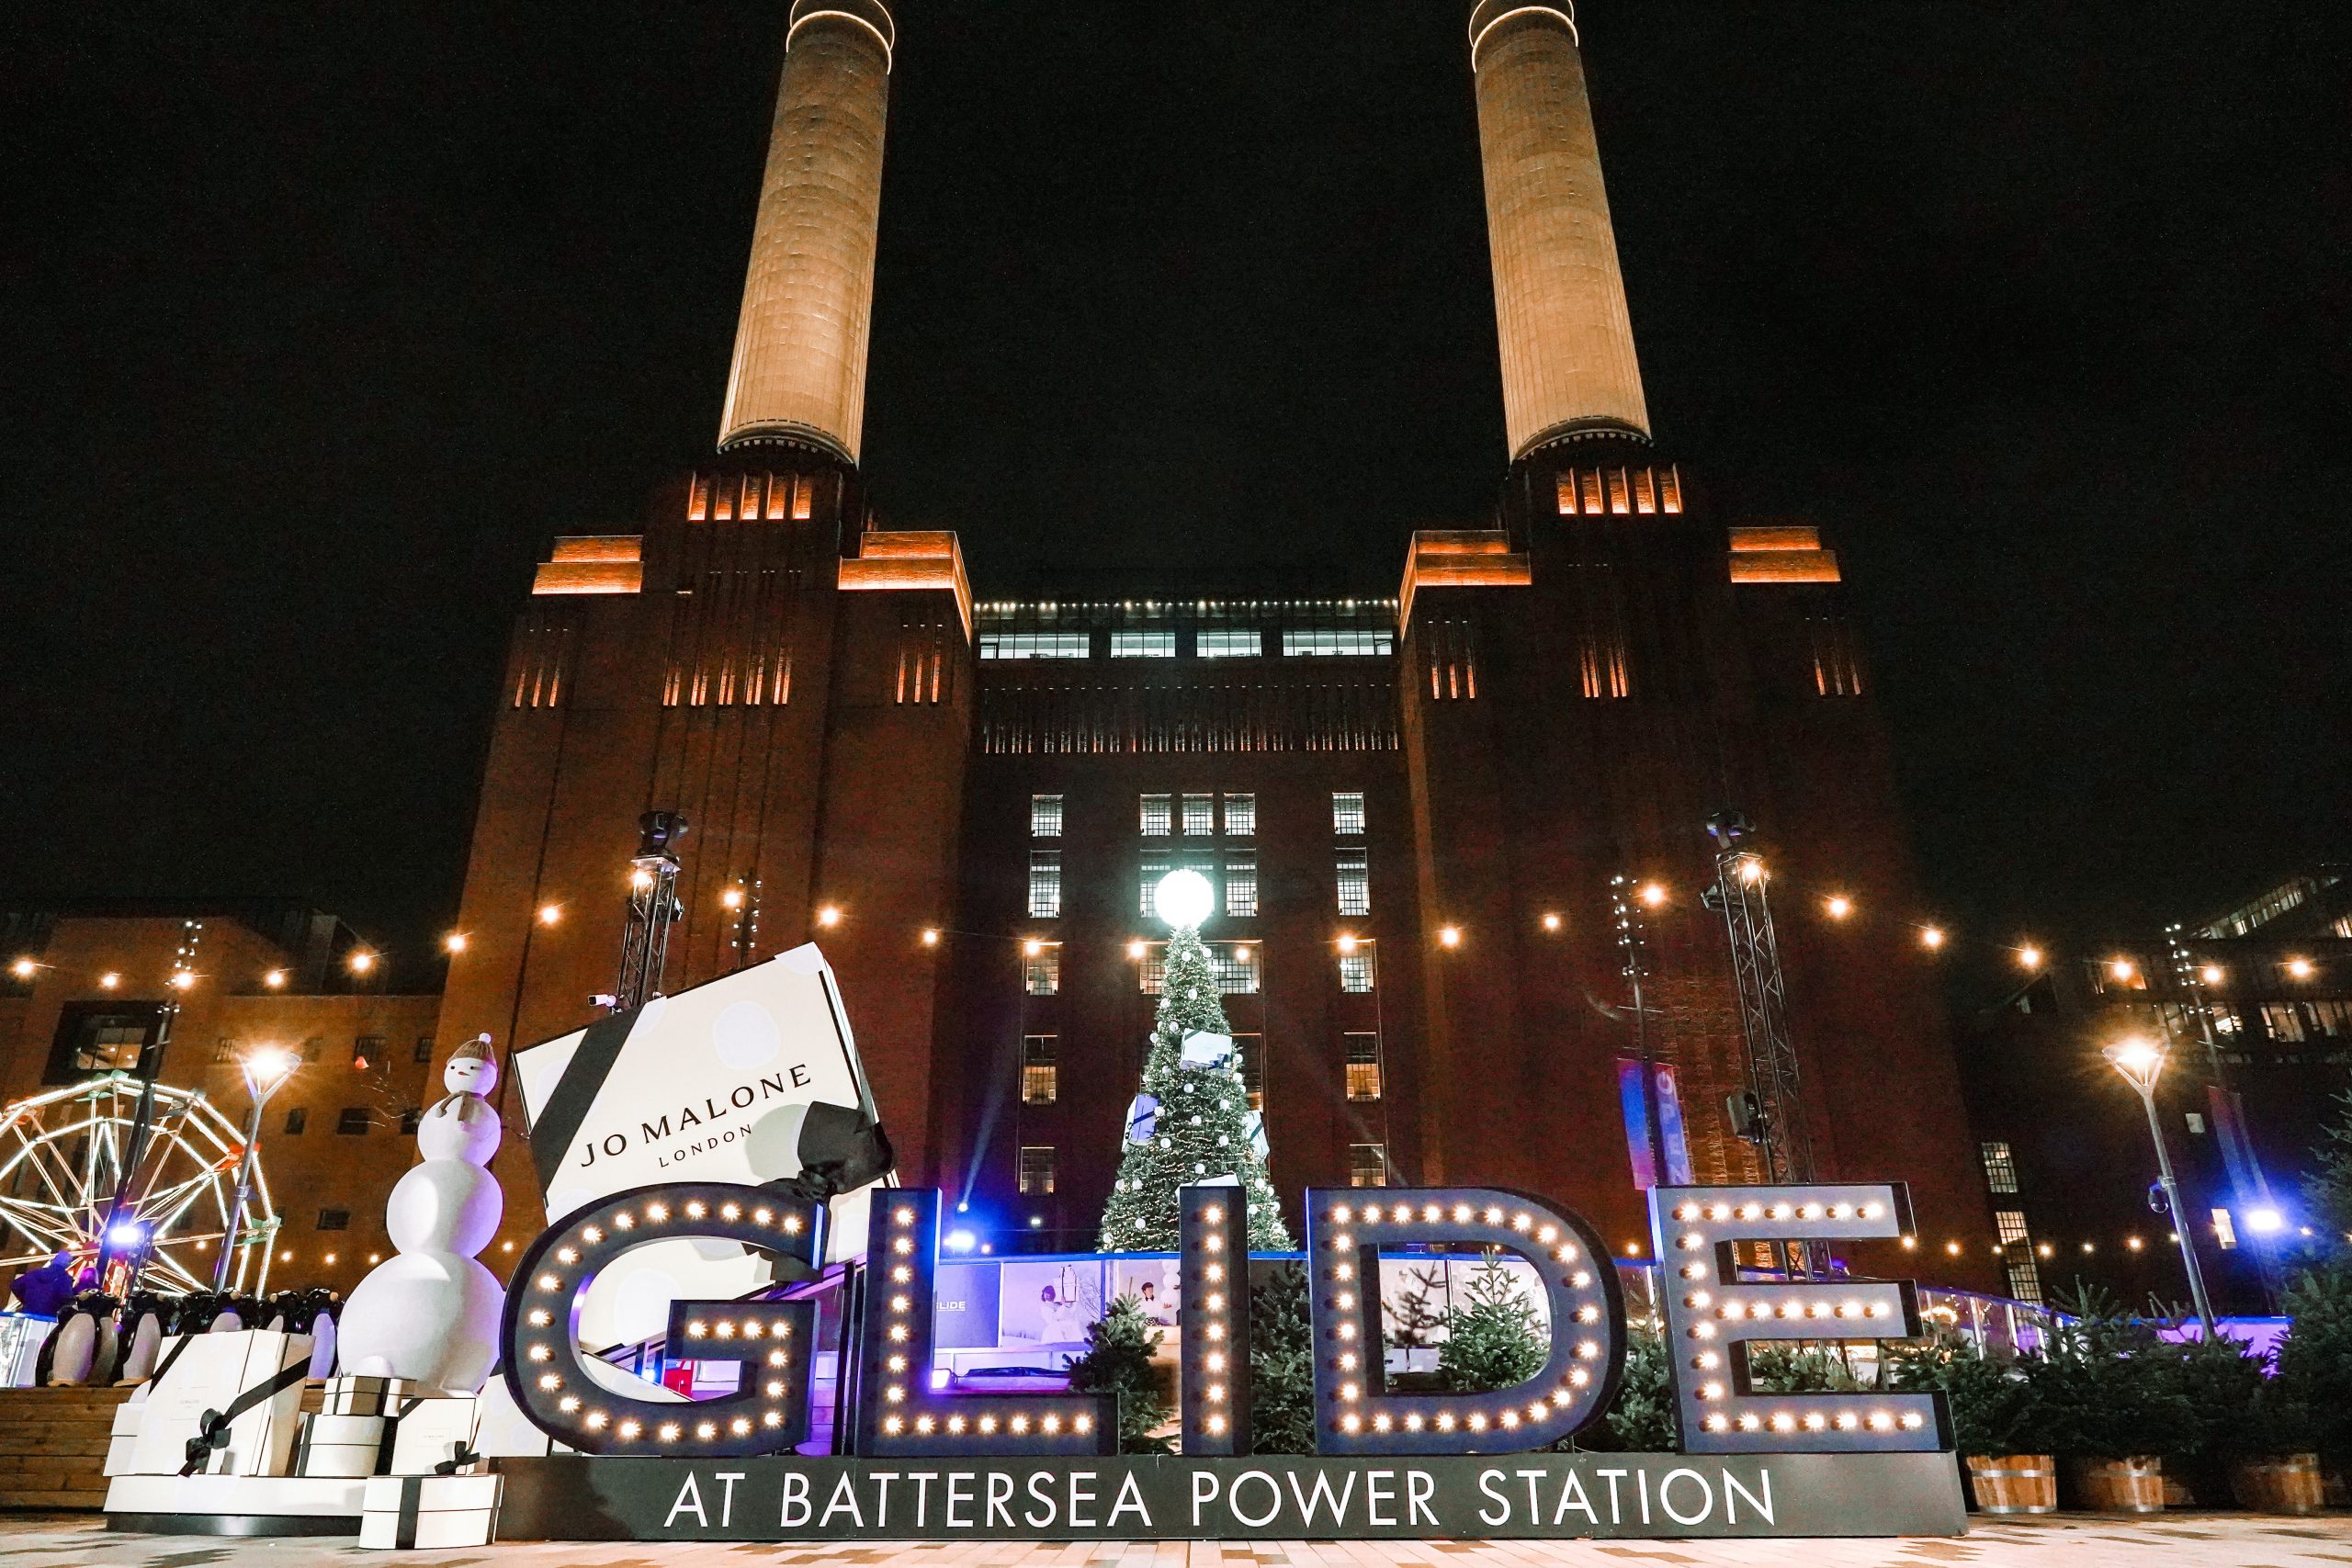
(430, 1512)
(342, 1446)
(122, 1441)
(348, 1394)
(249, 1382)
(431, 1433)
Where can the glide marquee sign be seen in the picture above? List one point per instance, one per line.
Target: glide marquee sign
(926, 1465)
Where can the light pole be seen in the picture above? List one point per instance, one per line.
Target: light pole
(2141, 1062)
(264, 1072)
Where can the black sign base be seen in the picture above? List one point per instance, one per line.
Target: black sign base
(1539, 1496)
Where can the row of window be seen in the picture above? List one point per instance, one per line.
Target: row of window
(1367, 1167)
(1351, 868)
(1235, 965)
(1041, 1067)
(1162, 816)
(351, 1122)
(367, 1050)
(1209, 642)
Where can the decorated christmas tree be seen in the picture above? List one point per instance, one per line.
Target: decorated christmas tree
(1192, 1124)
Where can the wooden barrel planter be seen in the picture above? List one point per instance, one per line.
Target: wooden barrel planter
(2278, 1483)
(2133, 1485)
(2014, 1483)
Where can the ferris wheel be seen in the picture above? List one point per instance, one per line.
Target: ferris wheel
(61, 1163)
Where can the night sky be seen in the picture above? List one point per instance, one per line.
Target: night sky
(321, 318)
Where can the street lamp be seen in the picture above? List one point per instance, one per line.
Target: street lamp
(2141, 1062)
(265, 1071)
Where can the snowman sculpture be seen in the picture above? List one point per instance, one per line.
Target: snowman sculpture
(430, 1314)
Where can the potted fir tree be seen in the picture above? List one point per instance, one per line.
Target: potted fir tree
(2113, 1393)
(1998, 1422)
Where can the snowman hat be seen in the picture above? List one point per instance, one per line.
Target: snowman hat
(475, 1050)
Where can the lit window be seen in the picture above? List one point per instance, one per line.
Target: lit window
(1230, 642)
(1241, 882)
(2000, 1169)
(1249, 1055)
(1033, 645)
(1354, 868)
(1154, 867)
(1236, 966)
(2283, 1022)
(1044, 884)
(2195, 1122)
(1143, 645)
(1363, 1067)
(2025, 1281)
(1355, 969)
(1240, 815)
(225, 1051)
(423, 1048)
(1042, 970)
(367, 1050)
(1045, 816)
(1040, 1084)
(2010, 1224)
(1036, 1170)
(1367, 1164)
(296, 1119)
(1159, 819)
(1347, 812)
(1200, 815)
(1325, 642)
(2225, 1230)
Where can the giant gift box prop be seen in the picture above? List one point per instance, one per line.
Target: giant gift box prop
(430, 1512)
(227, 1404)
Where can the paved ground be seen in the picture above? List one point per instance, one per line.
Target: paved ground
(2193, 1541)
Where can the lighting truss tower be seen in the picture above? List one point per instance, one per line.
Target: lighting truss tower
(653, 907)
(1776, 1108)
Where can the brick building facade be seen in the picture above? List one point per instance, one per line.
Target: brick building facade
(960, 795)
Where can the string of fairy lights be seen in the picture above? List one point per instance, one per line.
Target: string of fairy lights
(1832, 904)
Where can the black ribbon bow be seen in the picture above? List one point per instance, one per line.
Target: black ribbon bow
(457, 1461)
(212, 1431)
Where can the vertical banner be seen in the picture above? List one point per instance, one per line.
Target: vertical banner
(1637, 1128)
